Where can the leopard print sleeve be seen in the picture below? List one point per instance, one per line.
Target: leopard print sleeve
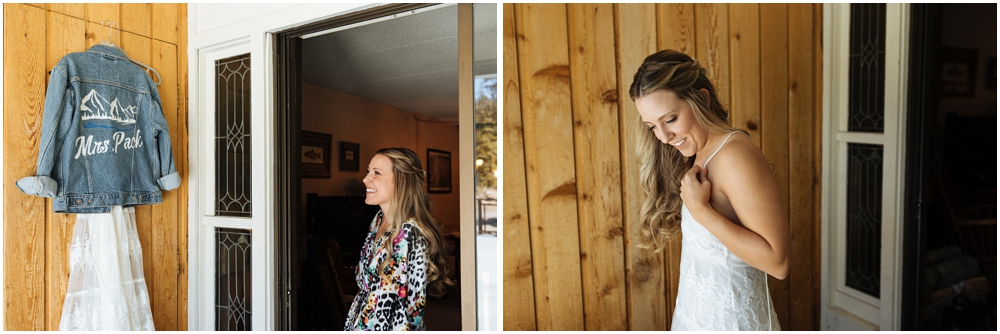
(415, 275)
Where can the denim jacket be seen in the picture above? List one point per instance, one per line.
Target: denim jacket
(104, 138)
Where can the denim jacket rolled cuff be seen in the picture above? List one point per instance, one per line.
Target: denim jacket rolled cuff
(43, 186)
(170, 182)
(102, 203)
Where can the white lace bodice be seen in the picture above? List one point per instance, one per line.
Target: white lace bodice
(718, 291)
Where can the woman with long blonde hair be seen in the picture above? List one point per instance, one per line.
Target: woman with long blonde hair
(733, 220)
(403, 258)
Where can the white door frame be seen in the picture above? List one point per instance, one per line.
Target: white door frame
(202, 219)
(251, 29)
(844, 307)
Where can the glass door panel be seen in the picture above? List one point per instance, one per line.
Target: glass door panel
(484, 52)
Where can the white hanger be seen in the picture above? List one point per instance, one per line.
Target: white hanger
(108, 42)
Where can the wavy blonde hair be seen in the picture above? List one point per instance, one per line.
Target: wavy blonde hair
(661, 167)
(410, 200)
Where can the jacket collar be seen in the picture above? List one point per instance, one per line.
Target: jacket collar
(109, 50)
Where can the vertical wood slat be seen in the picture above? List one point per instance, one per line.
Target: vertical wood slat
(136, 18)
(164, 215)
(712, 45)
(65, 34)
(182, 168)
(644, 271)
(99, 12)
(800, 180)
(164, 25)
(817, 97)
(95, 33)
(745, 72)
(676, 27)
(595, 111)
(518, 290)
(69, 9)
(25, 216)
(774, 91)
(548, 126)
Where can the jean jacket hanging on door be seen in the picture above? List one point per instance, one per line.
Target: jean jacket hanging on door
(104, 138)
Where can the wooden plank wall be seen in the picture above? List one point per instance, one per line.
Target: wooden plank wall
(36, 240)
(570, 186)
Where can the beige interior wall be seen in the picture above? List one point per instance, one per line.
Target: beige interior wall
(373, 126)
(972, 27)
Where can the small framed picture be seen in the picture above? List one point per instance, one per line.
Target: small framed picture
(316, 154)
(958, 72)
(438, 171)
(990, 80)
(349, 155)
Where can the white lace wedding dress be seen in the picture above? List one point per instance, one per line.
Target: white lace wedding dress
(718, 291)
(107, 289)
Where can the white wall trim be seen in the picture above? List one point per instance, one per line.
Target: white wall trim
(260, 24)
(897, 59)
(828, 319)
(466, 155)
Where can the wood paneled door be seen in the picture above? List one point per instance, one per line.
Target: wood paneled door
(35, 240)
(570, 172)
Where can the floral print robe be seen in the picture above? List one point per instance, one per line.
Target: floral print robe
(395, 300)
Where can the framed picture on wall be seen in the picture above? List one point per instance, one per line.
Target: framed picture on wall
(438, 171)
(316, 154)
(349, 154)
(990, 80)
(958, 72)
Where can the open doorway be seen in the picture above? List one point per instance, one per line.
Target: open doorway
(951, 228)
(385, 77)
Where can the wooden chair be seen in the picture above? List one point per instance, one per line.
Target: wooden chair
(323, 254)
(975, 226)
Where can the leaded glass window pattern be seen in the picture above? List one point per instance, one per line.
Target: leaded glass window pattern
(232, 136)
(864, 217)
(232, 279)
(866, 101)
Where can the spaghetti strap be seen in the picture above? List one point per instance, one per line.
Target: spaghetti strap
(720, 147)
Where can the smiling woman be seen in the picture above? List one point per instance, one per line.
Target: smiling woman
(734, 224)
(572, 186)
(403, 258)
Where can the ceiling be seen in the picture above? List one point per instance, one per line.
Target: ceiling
(409, 62)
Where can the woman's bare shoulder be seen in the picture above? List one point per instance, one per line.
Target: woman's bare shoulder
(739, 162)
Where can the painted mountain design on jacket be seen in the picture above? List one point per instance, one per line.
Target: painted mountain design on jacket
(93, 107)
